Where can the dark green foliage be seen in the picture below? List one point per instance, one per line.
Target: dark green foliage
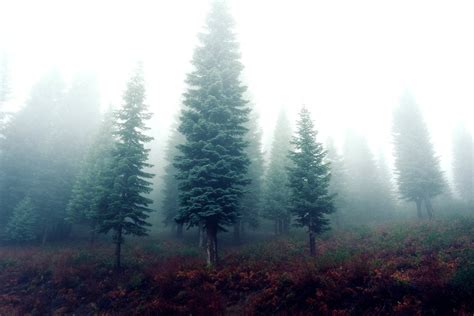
(212, 162)
(463, 164)
(417, 167)
(309, 179)
(22, 225)
(276, 191)
(123, 207)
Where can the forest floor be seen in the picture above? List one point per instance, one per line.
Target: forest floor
(402, 269)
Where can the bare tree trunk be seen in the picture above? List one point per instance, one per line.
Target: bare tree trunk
(429, 208)
(312, 244)
(118, 250)
(418, 208)
(237, 231)
(179, 230)
(212, 258)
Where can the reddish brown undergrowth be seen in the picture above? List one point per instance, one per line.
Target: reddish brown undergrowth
(405, 269)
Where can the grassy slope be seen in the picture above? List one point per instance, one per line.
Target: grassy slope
(401, 269)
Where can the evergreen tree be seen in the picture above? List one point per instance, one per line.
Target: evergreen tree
(365, 200)
(30, 156)
(43, 146)
(251, 201)
(309, 180)
(463, 164)
(22, 226)
(276, 191)
(212, 162)
(385, 188)
(419, 176)
(170, 202)
(125, 209)
(84, 206)
(337, 185)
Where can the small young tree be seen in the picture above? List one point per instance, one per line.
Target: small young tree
(309, 180)
(23, 225)
(212, 162)
(127, 208)
(417, 168)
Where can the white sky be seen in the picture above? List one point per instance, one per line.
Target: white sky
(348, 61)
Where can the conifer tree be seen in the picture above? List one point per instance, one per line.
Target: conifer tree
(463, 164)
(338, 185)
(251, 201)
(212, 162)
(385, 188)
(170, 202)
(125, 208)
(309, 179)
(276, 191)
(417, 168)
(22, 226)
(84, 206)
(366, 200)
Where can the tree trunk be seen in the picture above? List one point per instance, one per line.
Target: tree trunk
(312, 244)
(418, 208)
(286, 226)
(179, 230)
(429, 208)
(237, 231)
(276, 227)
(202, 236)
(118, 250)
(280, 227)
(212, 258)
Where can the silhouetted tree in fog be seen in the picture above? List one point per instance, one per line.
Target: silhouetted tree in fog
(170, 202)
(250, 204)
(213, 162)
(463, 164)
(366, 199)
(127, 208)
(419, 176)
(88, 200)
(276, 191)
(309, 178)
(337, 185)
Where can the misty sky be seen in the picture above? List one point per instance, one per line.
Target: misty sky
(348, 61)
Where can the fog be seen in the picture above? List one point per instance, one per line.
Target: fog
(236, 157)
(347, 61)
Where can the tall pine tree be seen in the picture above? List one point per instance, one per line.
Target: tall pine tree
(276, 191)
(212, 162)
(127, 208)
(338, 185)
(309, 179)
(417, 168)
